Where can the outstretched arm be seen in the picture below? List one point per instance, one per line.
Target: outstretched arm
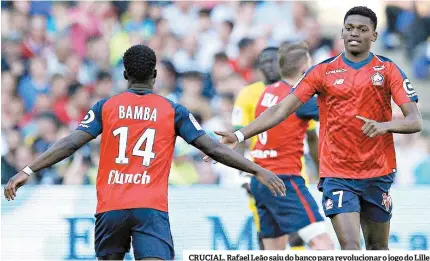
(61, 150)
(223, 154)
(57, 152)
(272, 116)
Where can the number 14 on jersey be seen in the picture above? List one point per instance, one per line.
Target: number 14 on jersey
(147, 154)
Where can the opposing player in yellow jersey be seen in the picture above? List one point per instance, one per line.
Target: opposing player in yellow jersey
(244, 113)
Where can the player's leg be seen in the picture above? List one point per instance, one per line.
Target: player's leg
(375, 234)
(112, 234)
(376, 212)
(277, 243)
(341, 204)
(347, 228)
(296, 242)
(151, 236)
(272, 238)
(305, 217)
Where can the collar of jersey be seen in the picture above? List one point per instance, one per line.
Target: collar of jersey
(139, 92)
(358, 65)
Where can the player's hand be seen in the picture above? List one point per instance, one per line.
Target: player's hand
(373, 128)
(272, 182)
(227, 138)
(14, 183)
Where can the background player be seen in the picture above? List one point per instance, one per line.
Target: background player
(244, 113)
(280, 149)
(138, 130)
(357, 156)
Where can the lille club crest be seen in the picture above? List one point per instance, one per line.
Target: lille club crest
(386, 201)
(377, 79)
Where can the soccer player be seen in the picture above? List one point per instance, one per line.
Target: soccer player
(138, 130)
(244, 113)
(280, 150)
(356, 148)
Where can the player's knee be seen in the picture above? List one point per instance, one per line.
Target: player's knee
(377, 246)
(321, 242)
(295, 240)
(350, 244)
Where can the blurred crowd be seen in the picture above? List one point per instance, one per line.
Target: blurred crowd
(408, 26)
(59, 58)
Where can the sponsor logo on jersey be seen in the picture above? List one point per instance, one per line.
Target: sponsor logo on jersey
(377, 79)
(338, 81)
(328, 204)
(87, 119)
(410, 91)
(336, 71)
(378, 68)
(386, 201)
(115, 177)
(264, 154)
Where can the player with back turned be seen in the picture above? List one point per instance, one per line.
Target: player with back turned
(138, 131)
(280, 150)
(356, 148)
(244, 113)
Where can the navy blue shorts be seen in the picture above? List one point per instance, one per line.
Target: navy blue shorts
(147, 229)
(370, 197)
(284, 215)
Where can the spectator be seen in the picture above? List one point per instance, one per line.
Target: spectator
(36, 83)
(242, 65)
(192, 95)
(73, 110)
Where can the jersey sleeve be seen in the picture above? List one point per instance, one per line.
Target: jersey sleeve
(186, 126)
(309, 110)
(309, 84)
(241, 115)
(402, 90)
(92, 122)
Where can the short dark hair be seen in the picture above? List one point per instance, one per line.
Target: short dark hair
(192, 75)
(245, 42)
(74, 88)
(139, 62)
(268, 49)
(291, 57)
(363, 11)
(103, 75)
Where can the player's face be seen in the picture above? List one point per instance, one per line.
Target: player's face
(358, 34)
(268, 64)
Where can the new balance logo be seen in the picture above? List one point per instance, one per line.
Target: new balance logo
(269, 100)
(338, 81)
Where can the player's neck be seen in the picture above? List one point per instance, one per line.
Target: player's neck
(291, 80)
(140, 87)
(357, 58)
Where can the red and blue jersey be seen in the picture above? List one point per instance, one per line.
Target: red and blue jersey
(138, 132)
(280, 149)
(346, 89)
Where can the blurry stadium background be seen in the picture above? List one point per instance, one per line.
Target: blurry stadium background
(59, 58)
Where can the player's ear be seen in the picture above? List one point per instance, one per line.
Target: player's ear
(155, 73)
(341, 34)
(125, 75)
(375, 36)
